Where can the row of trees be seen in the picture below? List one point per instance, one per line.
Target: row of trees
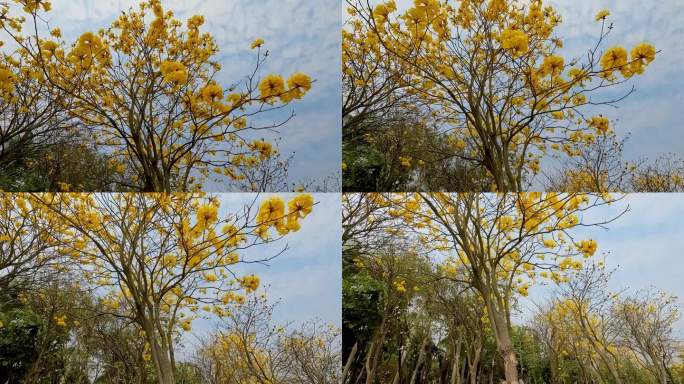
(141, 100)
(432, 283)
(105, 288)
(476, 96)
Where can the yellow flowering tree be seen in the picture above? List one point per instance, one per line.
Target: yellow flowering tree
(25, 245)
(248, 347)
(596, 167)
(664, 174)
(147, 87)
(582, 315)
(649, 317)
(500, 244)
(608, 332)
(399, 274)
(162, 260)
(601, 167)
(490, 75)
(32, 115)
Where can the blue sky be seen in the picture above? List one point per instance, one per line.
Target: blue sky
(302, 35)
(307, 278)
(644, 245)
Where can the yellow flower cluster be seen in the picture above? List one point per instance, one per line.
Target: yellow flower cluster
(587, 247)
(265, 149)
(552, 65)
(211, 277)
(88, 50)
(569, 263)
(298, 208)
(602, 14)
(257, 43)
(550, 243)
(617, 59)
(250, 282)
(273, 86)
(32, 6)
(211, 93)
(515, 41)
(642, 55)
(7, 80)
(232, 297)
(523, 290)
(505, 223)
(272, 214)
(60, 320)
(400, 285)
(405, 161)
(186, 325)
(600, 123)
(207, 214)
(174, 72)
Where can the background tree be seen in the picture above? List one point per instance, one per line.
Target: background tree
(405, 153)
(249, 346)
(665, 174)
(377, 292)
(68, 161)
(648, 318)
(600, 166)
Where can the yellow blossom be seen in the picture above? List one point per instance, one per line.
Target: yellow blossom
(257, 43)
(602, 14)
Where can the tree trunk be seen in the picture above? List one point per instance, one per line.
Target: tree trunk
(510, 364)
(397, 374)
(491, 372)
(350, 360)
(419, 363)
(374, 353)
(473, 360)
(608, 361)
(553, 366)
(503, 342)
(455, 371)
(160, 356)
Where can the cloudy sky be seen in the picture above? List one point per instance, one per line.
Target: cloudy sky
(302, 35)
(644, 246)
(306, 279)
(652, 114)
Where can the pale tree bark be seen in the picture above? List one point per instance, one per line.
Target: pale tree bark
(455, 371)
(397, 374)
(350, 361)
(421, 359)
(160, 355)
(374, 352)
